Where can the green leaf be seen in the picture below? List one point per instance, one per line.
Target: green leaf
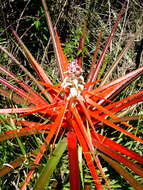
(45, 37)
(48, 169)
(2, 39)
(37, 24)
(79, 52)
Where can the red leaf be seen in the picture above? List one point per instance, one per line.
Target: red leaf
(87, 155)
(99, 64)
(94, 58)
(82, 133)
(35, 129)
(57, 124)
(35, 64)
(117, 147)
(107, 150)
(52, 34)
(81, 44)
(20, 92)
(64, 61)
(73, 161)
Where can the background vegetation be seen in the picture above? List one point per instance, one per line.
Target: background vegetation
(28, 19)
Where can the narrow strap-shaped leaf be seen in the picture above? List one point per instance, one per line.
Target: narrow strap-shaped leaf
(87, 155)
(53, 39)
(101, 95)
(22, 84)
(99, 64)
(35, 64)
(106, 112)
(121, 104)
(29, 110)
(25, 131)
(11, 166)
(73, 161)
(111, 124)
(44, 178)
(136, 96)
(96, 97)
(15, 163)
(19, 91)
(82, 127)
(119, 88)
(130, 76)
(115, 155)
(85, 111)
(81, 44)
(122, 83)
(55, 125)
(88, 141)
(28, 178)
(86, 85)
(118, 106)
(127, 118)
(108, 73)
(94, 58)
(127, 104)
(122, 171)
(117, 147)
(17, 99)
(26, 71)
(64, 61)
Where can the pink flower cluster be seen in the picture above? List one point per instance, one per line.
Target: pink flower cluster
(74, 69)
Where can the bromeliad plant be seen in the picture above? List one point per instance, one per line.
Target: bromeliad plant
(75, 109)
